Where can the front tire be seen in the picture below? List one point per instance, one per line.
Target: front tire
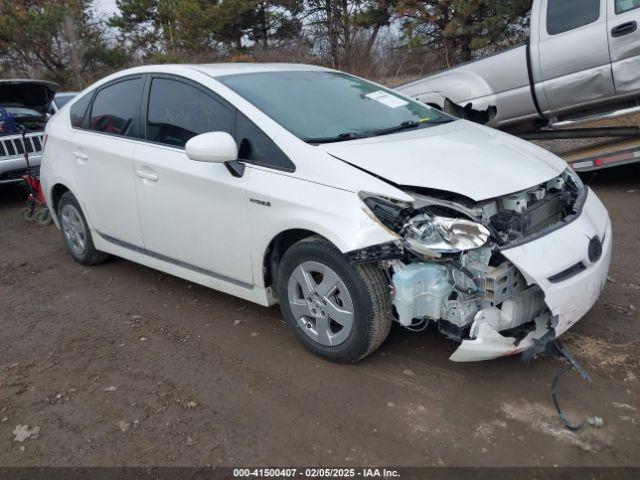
(76, 232)
(339, 311)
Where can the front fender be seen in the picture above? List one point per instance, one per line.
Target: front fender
(434, 99)
(279, 203)
(463, 94)
(460, 86)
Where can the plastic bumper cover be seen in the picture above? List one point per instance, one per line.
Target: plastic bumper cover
(542, 259)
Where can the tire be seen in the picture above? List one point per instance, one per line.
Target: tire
(319, 307)
(76, 233)
(28, 214)
(43, 217)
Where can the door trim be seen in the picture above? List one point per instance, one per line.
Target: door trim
(179, 263)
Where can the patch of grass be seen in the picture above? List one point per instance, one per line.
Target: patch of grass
(599, 353)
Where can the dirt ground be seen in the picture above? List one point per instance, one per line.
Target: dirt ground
(123, 365)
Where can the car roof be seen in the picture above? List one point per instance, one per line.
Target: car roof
(212, 70)
(220, 69)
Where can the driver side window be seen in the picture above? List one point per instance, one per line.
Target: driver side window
(178, 111)
(116, 108)
(565, 15)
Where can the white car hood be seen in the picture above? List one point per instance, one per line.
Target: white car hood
(461, 157)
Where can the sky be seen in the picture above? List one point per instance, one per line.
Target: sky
(105, 6)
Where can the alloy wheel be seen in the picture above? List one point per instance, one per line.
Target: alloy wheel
(321, 303)
(73, 229)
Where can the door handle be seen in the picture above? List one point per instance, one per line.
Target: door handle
(624, 29)
(81, 157)
(147, 176)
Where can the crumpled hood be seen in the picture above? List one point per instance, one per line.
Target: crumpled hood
(34, 94)
(461, 157)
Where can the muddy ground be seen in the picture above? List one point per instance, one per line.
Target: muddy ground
(123, 365)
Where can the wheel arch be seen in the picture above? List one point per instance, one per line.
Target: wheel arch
(277, 248)
(432, 99)
(57, 191)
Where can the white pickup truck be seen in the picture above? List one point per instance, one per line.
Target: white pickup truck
(582, 62)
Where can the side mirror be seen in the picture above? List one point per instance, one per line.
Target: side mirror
(215, 147)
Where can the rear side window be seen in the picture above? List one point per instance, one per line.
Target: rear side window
(178, 111)
(116, 108)
(565, 15)
(79, 111)
(626, 5)
(254, 146)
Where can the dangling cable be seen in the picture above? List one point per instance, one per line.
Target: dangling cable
(418, 327)
(561, 351)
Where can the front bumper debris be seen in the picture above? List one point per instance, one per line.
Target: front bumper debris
(568, 300)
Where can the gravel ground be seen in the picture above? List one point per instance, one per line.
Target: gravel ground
(123, 365)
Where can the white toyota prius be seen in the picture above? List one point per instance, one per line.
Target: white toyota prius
(350, 205)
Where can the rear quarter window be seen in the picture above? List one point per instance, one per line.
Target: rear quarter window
(78, 111)
(116, 108)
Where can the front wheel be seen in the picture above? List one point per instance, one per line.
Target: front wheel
(339, 311)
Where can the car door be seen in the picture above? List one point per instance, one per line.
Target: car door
(624, 44)
(573, 54)
(193, 214)
(103, 149)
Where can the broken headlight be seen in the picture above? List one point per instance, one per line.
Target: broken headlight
(433, 235)
(572, 177)
(388, 211)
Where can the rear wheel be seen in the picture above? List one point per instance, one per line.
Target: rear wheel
(76, 233)
(339, 311)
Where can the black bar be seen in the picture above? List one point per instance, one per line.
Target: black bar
(626, 132)
(319, 473)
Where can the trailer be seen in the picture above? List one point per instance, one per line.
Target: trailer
(588, 154)
(607, 155)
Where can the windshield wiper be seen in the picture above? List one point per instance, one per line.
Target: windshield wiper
(343, 137)
(408, 125)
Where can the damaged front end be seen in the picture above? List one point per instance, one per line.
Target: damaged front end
(490, 273)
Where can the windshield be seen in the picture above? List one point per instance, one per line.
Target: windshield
(19, 112)
(62, 99)
(320, 106)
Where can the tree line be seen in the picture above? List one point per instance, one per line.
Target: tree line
(70, 42)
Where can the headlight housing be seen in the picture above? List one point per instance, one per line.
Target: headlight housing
(426, 234)
(390, 212)
(433, 235)
(571, 176)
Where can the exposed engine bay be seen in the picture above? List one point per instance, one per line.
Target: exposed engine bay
(448, 267)
(24, 104)
(11, 121)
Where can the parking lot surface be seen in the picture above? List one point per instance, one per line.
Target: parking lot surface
(122, 365)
